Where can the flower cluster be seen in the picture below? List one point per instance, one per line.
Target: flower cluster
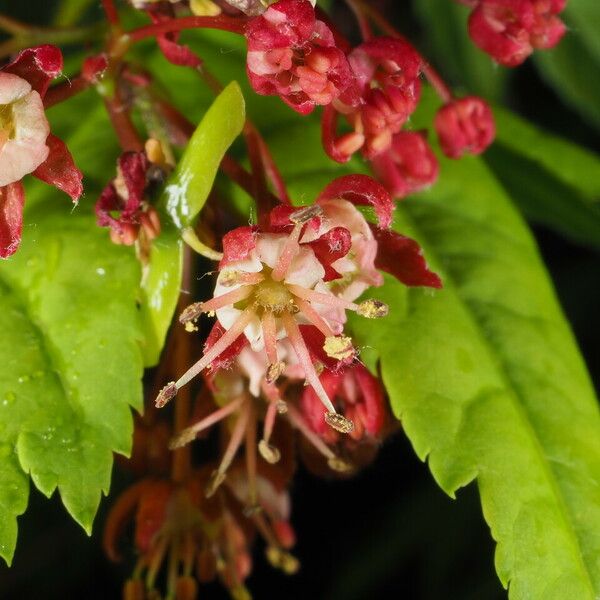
(510, 30)
(375, 87)
(279, 377)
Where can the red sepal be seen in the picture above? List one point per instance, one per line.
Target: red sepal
(59, 169)
(12, 200)
(38, 65)
(238, 244)
(362, 190)
(403, 258)
(331, 246)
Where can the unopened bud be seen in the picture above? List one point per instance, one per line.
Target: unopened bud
(154, 151)
(373, 309)
(269, 452)
(339, 422)
(216, 479)
(339, 347)
(274, 371)
(167, 393)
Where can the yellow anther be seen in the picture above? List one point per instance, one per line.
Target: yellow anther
(339, 422)
(339, 347)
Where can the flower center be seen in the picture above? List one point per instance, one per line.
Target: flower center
(273, 296)
(7, 123)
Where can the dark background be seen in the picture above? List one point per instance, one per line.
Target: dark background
(390, 532)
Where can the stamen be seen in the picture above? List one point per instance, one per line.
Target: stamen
(297, 341)
(288, 253)
(340, 465)
(373, 309)
(339, 347)
(314, 317)
(219, 347)
(188, 434)
(232, 277)
(269, 452)
(269, 329)
(282, 407)
(339, 422)
(305, 214)
(190, 313)
(274, 371)
(298, 421)
(232, 297)
(167, 393)
(232, 447)
(251, 457)
(321, 298)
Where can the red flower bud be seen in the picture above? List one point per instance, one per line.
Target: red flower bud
(465, 126)
(408, 166)
(509, 30)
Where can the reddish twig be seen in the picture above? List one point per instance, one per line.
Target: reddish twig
(222, 22)
(110, 11)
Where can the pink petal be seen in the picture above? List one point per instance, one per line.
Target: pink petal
(59, 169)
(238, 244)
(38, 65)
(402, 257)
(362, 190)
(12, 200)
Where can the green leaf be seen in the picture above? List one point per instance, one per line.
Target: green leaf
(185, 194)
(484, 374)
(70, 362)
(552, 180)
(573, 67)
(451, 49)
(189, 187)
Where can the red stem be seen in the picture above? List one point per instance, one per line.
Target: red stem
(64, 91)
(223, 22)
(111, 12)
(363, 23)
(123, 126)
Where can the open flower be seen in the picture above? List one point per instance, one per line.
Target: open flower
(26, 144)
(293, 55)
(278, 283)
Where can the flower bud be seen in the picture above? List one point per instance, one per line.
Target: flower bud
(465, 126)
